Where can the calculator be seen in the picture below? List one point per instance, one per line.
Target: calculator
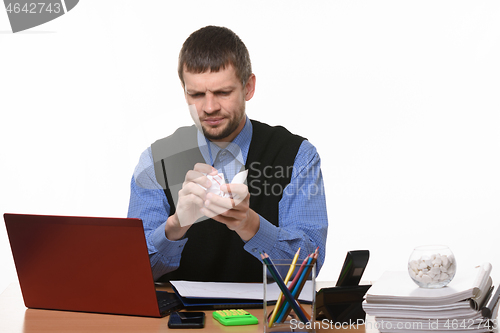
(235, 317)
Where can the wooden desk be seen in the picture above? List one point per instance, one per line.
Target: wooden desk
(16, 318)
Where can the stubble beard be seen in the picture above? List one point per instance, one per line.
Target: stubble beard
(223, 133)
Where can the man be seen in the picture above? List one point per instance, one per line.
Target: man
(195, 235)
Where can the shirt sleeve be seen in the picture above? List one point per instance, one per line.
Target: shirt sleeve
(303, 220)
(149, 203)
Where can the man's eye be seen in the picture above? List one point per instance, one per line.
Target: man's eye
(196, 95)
(224, 93)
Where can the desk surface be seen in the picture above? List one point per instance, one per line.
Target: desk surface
(16, 318)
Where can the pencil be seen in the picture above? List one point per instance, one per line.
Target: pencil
(299, 286)
(292, 284)
(297, 276)
(287, 278)
(290, 299)
(286, 308)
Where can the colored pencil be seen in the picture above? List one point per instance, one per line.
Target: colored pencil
(299, 273)
(287, 279)
(290, 299)
(299, 286)
(285, 310)
(292, 284)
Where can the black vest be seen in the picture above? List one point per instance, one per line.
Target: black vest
(213, 252)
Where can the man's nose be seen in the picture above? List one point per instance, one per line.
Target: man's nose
(211, 103)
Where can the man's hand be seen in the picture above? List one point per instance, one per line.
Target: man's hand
(234, 212)
(191, 201)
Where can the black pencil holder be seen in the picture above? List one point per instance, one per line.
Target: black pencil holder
(341, 304)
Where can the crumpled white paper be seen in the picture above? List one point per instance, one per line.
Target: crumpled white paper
(218, 181)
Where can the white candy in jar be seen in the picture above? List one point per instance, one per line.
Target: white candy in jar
(432, 269)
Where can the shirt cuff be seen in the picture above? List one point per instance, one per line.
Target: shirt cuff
(264, 240)
(164, 245)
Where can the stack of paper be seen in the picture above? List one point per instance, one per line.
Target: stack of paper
(399, 305)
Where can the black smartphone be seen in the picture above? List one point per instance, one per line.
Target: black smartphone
(186, 320)
(353, 268)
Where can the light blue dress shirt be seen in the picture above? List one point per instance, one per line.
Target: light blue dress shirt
(303, 218)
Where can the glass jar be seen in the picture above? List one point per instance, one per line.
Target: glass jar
(432, 266)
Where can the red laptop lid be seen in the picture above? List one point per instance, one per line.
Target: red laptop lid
(83, 264)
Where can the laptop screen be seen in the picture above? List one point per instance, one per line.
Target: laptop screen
(86, 264)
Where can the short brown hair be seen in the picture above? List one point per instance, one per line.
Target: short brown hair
(214, 48)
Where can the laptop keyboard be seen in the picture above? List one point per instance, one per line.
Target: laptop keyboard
(167, 301)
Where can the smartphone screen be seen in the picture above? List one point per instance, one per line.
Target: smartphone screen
(187, 320)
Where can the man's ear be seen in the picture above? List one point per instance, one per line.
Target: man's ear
(250, 87)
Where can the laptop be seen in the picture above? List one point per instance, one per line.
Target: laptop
(89, 264)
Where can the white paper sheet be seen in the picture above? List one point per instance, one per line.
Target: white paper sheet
(235, 290)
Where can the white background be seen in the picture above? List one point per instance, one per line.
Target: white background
(401, 99)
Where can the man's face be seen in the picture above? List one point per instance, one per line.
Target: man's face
(219, 98)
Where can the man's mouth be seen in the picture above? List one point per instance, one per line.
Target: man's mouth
(213, 121)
